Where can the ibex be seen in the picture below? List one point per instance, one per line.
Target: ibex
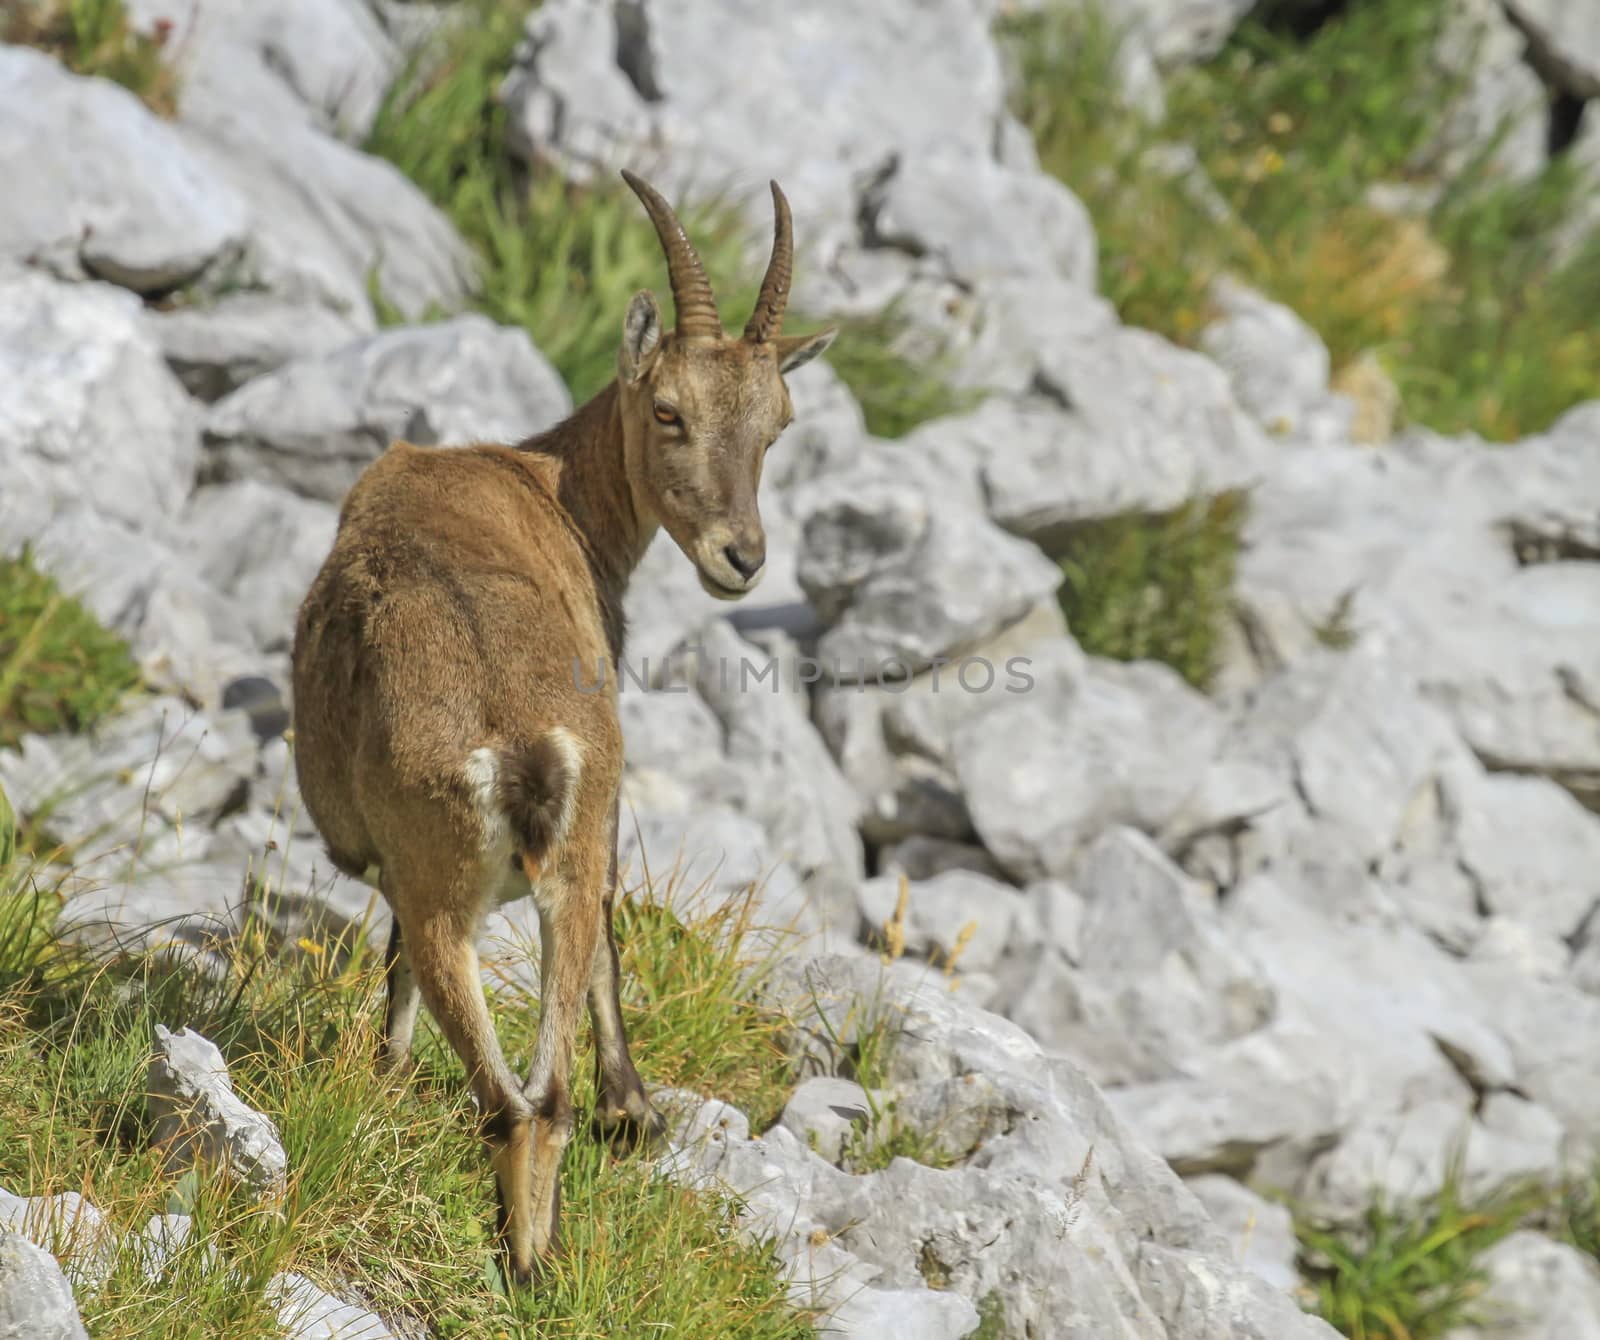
(441, 732)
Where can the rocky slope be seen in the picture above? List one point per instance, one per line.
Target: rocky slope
(1315, 934)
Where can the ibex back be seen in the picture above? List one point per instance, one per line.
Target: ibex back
(441, 733)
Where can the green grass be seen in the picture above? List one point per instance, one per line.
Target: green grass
(59, 670)
(1155, 587)
(1470, 308)
(1412, 1276)
(389, 1188)
(93, 37)
(562, 260)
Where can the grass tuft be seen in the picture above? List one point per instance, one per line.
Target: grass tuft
(1155, 587)
(1474, 307)
(94, 38)
(389, 1192)
(59, 670)
(1410, 1276)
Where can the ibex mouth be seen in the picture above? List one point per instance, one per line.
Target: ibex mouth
(721, 590)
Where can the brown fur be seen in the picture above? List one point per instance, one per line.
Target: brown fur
(440, 730)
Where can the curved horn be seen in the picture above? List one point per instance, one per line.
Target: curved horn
(691, 290)
(767, 320)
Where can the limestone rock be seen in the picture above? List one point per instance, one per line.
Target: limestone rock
(36, 1302)
(88, 411)
(197, 1117)
(97, 184)
(316, 422)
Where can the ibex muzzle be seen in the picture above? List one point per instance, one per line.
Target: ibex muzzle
(442, 732)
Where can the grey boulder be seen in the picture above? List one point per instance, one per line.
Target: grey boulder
(198, 1119)
(316, 422)
(815, 98)
(776, 767)
(1463, 564)
(1499, 106)
(307, 1312)
(1414, 1153)
(1278, 365)
(186, 636)
(1538, 1289)
(902, 577)
(979, 219)
(1056, 1218)
(958, 918)
(36, 1301)
(894, 740)
(261, 88)
(89, 412)
(97, 184)
(1158, 982)
(1093, 420)
(323, 62)
(1564, 41)
(150, 769)
(1260, 1231)
(216, 346)
(69, 1228)
(261, 546)
(826, 1113)
(1088, 744)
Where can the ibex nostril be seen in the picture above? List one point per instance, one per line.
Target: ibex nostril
(746, 567)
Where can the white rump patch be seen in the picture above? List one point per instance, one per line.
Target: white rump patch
(482, 770)
(571, 749)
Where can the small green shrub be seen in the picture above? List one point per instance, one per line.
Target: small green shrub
(1509, 342)
(59, 670)
(1155, 587)
(94, 37)
(1483, 321)
(991, 1318)
(1410, 1276)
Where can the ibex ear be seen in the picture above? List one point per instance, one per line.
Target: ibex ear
(641, 336)
(797, 350)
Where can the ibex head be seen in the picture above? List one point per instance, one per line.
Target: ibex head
(700, 410)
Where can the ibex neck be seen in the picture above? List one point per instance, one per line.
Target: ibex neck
(588, 473)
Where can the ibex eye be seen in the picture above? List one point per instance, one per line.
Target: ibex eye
(665, 413)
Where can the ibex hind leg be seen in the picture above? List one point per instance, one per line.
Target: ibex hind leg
(445, 964)
(569, 927)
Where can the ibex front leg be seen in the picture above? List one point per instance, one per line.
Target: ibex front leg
(623, 1111)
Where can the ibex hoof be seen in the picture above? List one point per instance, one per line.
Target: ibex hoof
(630, 1125)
